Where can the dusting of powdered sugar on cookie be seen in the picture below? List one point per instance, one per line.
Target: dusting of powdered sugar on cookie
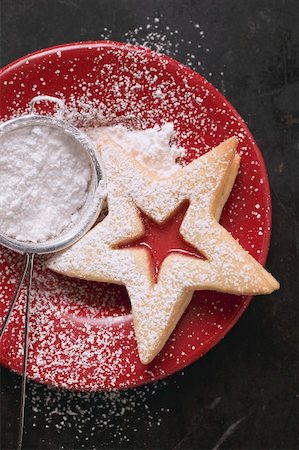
(154, 147)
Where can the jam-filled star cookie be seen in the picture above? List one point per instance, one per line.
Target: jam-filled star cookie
(120, 249)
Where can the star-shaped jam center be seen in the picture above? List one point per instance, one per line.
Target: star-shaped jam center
(161, 239)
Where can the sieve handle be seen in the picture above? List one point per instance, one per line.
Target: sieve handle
(28, 266)
(25, 353)
(16, 294)
(47, 98)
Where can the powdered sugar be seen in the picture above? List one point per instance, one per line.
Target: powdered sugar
(44, 176)
(92, 413)
(159, 36)
(153, 147)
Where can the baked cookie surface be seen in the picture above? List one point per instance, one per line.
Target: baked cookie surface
(108, 253)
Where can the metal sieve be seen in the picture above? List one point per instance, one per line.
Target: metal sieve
(88, 215)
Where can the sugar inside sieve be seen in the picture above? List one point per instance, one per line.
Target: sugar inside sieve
(86, 216)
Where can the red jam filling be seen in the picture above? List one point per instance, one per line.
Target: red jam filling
(161, 239)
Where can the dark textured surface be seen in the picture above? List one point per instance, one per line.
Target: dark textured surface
(248, 386)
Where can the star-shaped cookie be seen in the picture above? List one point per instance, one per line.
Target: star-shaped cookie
(109, 252)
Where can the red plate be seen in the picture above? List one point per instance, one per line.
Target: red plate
(81, 332)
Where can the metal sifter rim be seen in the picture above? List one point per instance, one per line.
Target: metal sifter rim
(95, 197)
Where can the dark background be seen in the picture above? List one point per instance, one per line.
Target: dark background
(244, 394)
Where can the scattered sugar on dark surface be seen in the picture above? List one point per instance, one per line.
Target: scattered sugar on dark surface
(90, 411)
(96, 414)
